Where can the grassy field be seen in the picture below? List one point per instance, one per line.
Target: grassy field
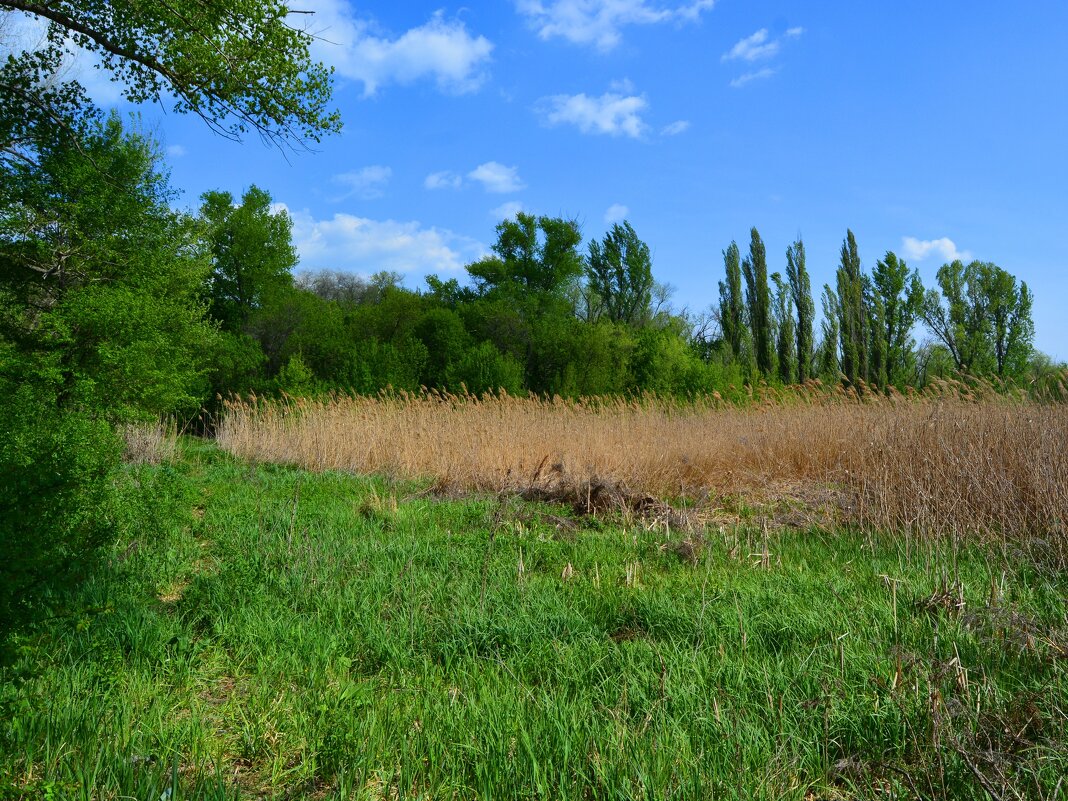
(268, 632)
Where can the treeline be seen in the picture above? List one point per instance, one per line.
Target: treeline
(540, 315)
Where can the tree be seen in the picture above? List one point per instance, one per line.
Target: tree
(900, 294)
(758, 301)
(853, 318)
(99, 278)
(801, 294)
(100, 323)
(828, 363)
(982, 317)
(240, 65)
(961, 324)
(731, 303)
(534, 256)
(252, 253)
(1012, 328)
(785, 327)
(620, 274)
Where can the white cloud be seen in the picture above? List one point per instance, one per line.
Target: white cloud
(347, 242)
(749, 77)
(440, 49)
(599, 22)
(446, 179)
(616, 213)
(367, 184)
(945, 248)
(675, 128)
(753, 48)
(497, 178)
(611, 113)
(507, 211)
(176, 151)
(794, 33)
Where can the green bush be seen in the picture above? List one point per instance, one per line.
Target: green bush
(56, 509)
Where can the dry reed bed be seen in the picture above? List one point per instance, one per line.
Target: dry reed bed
(946, 464)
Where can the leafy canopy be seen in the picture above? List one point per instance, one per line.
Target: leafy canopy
(240, 65)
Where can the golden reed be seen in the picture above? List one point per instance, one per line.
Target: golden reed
(954, 460)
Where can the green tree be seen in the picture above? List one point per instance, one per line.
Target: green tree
(442, 332)
(731, 303)
(853, 317)
(252, 253)
(100, 323)
(901, 296)
(1012, 329)
(620, 274)
(982, 316)
(758, 302)
(99, 278)
(241, 66)
(961, 323)
(801, 294)
(535, 256)
(875, 309)
(785, 328)
(828, 363)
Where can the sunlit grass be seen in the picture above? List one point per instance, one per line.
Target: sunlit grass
(283, 634)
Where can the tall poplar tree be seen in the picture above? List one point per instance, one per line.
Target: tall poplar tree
(758, 301)
(853, 318)
(801, 294)
(785, 343)
(829, 365)
(901, 295)
(731, 304)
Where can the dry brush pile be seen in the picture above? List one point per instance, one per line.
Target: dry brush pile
(949, 462)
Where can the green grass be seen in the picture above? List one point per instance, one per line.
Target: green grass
(264, 632)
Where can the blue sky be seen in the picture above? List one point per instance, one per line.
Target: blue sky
(929, 128)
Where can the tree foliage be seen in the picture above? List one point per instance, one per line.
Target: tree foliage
(620, 274)
(731, 302)
(853, 315)
(240, 65)
(252, 253)
(536, 257)
(785, 331)
(900, 295)
(758, 303)
(801, 295)
(982, 316)
(100, 323)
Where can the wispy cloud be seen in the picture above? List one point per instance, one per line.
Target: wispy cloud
(507, 211)
(944, 248)
(675, 128)
(367, 183)
(176, 151)
(497, 178)
(749, 77)
(611, 113)
(600, 22)
(760, 46)
(616, 213)
(441, 50)
(753, 48)
(362, 245)
(446, 179)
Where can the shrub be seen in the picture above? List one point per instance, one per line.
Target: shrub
(56, 509)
